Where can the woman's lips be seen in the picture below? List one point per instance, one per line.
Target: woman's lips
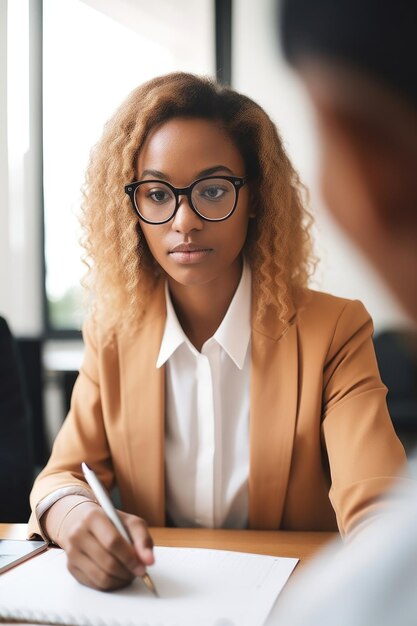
(189, 253)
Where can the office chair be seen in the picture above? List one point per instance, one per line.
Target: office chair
(30, 353)
(16, 435)
(396, 352)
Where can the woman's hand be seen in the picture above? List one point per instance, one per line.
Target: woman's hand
(97, 555)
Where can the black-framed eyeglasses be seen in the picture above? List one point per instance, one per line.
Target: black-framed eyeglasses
(213, 198)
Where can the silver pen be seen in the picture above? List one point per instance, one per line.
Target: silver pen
(107, 506)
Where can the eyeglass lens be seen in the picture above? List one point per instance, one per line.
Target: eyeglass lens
(214, 199)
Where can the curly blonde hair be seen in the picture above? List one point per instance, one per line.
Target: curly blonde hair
(121, 272)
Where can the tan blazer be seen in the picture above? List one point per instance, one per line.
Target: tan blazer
(322, 446)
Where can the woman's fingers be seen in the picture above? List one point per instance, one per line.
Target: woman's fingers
(101, 554)
(98, 556)
(92, 574)
(141, 539)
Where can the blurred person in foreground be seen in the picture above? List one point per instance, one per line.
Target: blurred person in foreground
(357, 61)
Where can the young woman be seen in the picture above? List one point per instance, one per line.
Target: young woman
(216, 389)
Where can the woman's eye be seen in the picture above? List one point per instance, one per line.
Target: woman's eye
(159, 195)
(213, 193)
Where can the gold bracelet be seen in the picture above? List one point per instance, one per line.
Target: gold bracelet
(70, 511)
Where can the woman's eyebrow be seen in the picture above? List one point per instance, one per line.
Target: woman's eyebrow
(154, 174)
(213, 170)
(207, 172)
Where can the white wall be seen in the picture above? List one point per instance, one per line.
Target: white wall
(260, 72)
(20, 167)
(21, 127)
(4, 184)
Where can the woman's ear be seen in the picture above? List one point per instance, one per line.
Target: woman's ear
(383, 168)
(369, 184)
(369, 147)
(252, 200)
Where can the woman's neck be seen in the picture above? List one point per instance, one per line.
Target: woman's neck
(201, 308)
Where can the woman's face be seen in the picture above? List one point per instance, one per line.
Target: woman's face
(190, 250)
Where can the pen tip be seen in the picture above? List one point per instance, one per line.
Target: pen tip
(150, 584)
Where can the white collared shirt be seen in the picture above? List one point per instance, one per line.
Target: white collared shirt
(207, 418)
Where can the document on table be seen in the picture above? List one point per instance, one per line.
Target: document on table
(197, 587)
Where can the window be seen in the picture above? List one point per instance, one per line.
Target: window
(94, 53)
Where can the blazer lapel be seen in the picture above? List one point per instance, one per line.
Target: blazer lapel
(273, 410)
(274, 392)
(143, 403)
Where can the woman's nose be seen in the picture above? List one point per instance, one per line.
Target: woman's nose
(186, 219)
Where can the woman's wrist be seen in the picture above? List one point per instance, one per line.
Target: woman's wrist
(55, 519)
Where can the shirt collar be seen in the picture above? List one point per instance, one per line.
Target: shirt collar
(173, 335)
(232, 335)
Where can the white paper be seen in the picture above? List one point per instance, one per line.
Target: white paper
(197, 587)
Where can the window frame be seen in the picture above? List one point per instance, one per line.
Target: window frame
(223, 69)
